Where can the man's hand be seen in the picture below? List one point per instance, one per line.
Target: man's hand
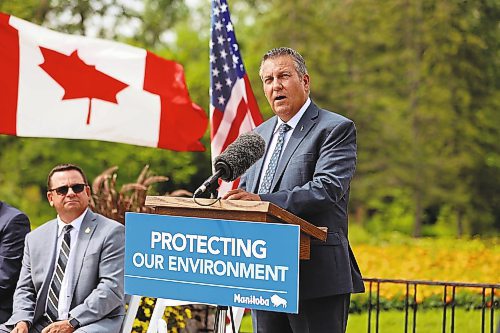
(62, 326)
(21, 327)
(240, 194)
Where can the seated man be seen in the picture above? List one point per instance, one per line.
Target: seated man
(14, 225)
(72, 269)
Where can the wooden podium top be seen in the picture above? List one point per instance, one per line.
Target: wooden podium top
(241, 210)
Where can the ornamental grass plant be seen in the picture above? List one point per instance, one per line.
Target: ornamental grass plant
(113, 201)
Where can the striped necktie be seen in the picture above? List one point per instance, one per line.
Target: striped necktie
(265, 187)
(55, 284)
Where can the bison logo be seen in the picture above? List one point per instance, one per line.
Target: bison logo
(277, 301)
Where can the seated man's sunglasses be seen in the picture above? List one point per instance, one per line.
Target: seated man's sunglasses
(63, 190)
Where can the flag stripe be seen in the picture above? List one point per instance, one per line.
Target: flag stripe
(228, 117)
(253, 107)
(9, 67)
(234, 130)
(182, 122)
(216, 116)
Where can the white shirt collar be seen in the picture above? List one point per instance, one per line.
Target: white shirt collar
(296, 118)
(76, 223)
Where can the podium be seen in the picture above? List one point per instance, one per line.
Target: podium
(241, 210)
(183, 211)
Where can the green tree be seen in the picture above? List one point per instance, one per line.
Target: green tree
(418, 79)
(143, 23)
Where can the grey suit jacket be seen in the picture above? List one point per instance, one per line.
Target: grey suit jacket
(14, 225)
(312, 181)
(97, 298)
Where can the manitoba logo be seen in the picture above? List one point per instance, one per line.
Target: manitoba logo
(253, 300)
(250, 300)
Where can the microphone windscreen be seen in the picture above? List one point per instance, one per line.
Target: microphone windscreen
(240, 155)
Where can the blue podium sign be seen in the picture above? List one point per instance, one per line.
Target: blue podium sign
(233, 263)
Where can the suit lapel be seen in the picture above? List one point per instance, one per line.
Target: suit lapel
(87, 229)
(267, 134)
(53, 251)
(44, 252)
(305, 124)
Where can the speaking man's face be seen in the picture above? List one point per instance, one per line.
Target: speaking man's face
(285, 90)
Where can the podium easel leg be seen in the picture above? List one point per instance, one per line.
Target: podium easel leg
(220, 319)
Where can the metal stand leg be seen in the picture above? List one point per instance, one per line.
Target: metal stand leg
(220, 319)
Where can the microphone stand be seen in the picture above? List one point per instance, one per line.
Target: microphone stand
(220, 319)
(213, 190)
(209, 192)
(221, 310)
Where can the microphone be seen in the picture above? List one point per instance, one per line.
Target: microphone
(240, 155)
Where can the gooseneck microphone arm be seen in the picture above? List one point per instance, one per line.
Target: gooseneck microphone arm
(209, 183)
(240, 155)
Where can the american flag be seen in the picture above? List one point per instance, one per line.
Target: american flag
(233, 108)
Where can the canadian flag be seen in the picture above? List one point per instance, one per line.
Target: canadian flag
(65, 86)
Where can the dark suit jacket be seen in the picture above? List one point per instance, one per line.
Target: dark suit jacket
(14, 225)
(313, 181)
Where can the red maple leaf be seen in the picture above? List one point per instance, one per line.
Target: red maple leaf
(80, 80)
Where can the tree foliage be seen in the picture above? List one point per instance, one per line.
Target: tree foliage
(419, 78)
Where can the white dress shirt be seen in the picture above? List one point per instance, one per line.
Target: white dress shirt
(64, 297)
(292, 123)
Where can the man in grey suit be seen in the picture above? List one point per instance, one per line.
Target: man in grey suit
(14, 225)
(307, 170)
(72, 270)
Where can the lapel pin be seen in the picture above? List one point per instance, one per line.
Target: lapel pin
(87, 230)
(301, 128)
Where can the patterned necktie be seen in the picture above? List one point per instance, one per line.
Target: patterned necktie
(265, 187)
(55, 284)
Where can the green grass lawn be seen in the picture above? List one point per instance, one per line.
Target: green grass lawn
(428, 321)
